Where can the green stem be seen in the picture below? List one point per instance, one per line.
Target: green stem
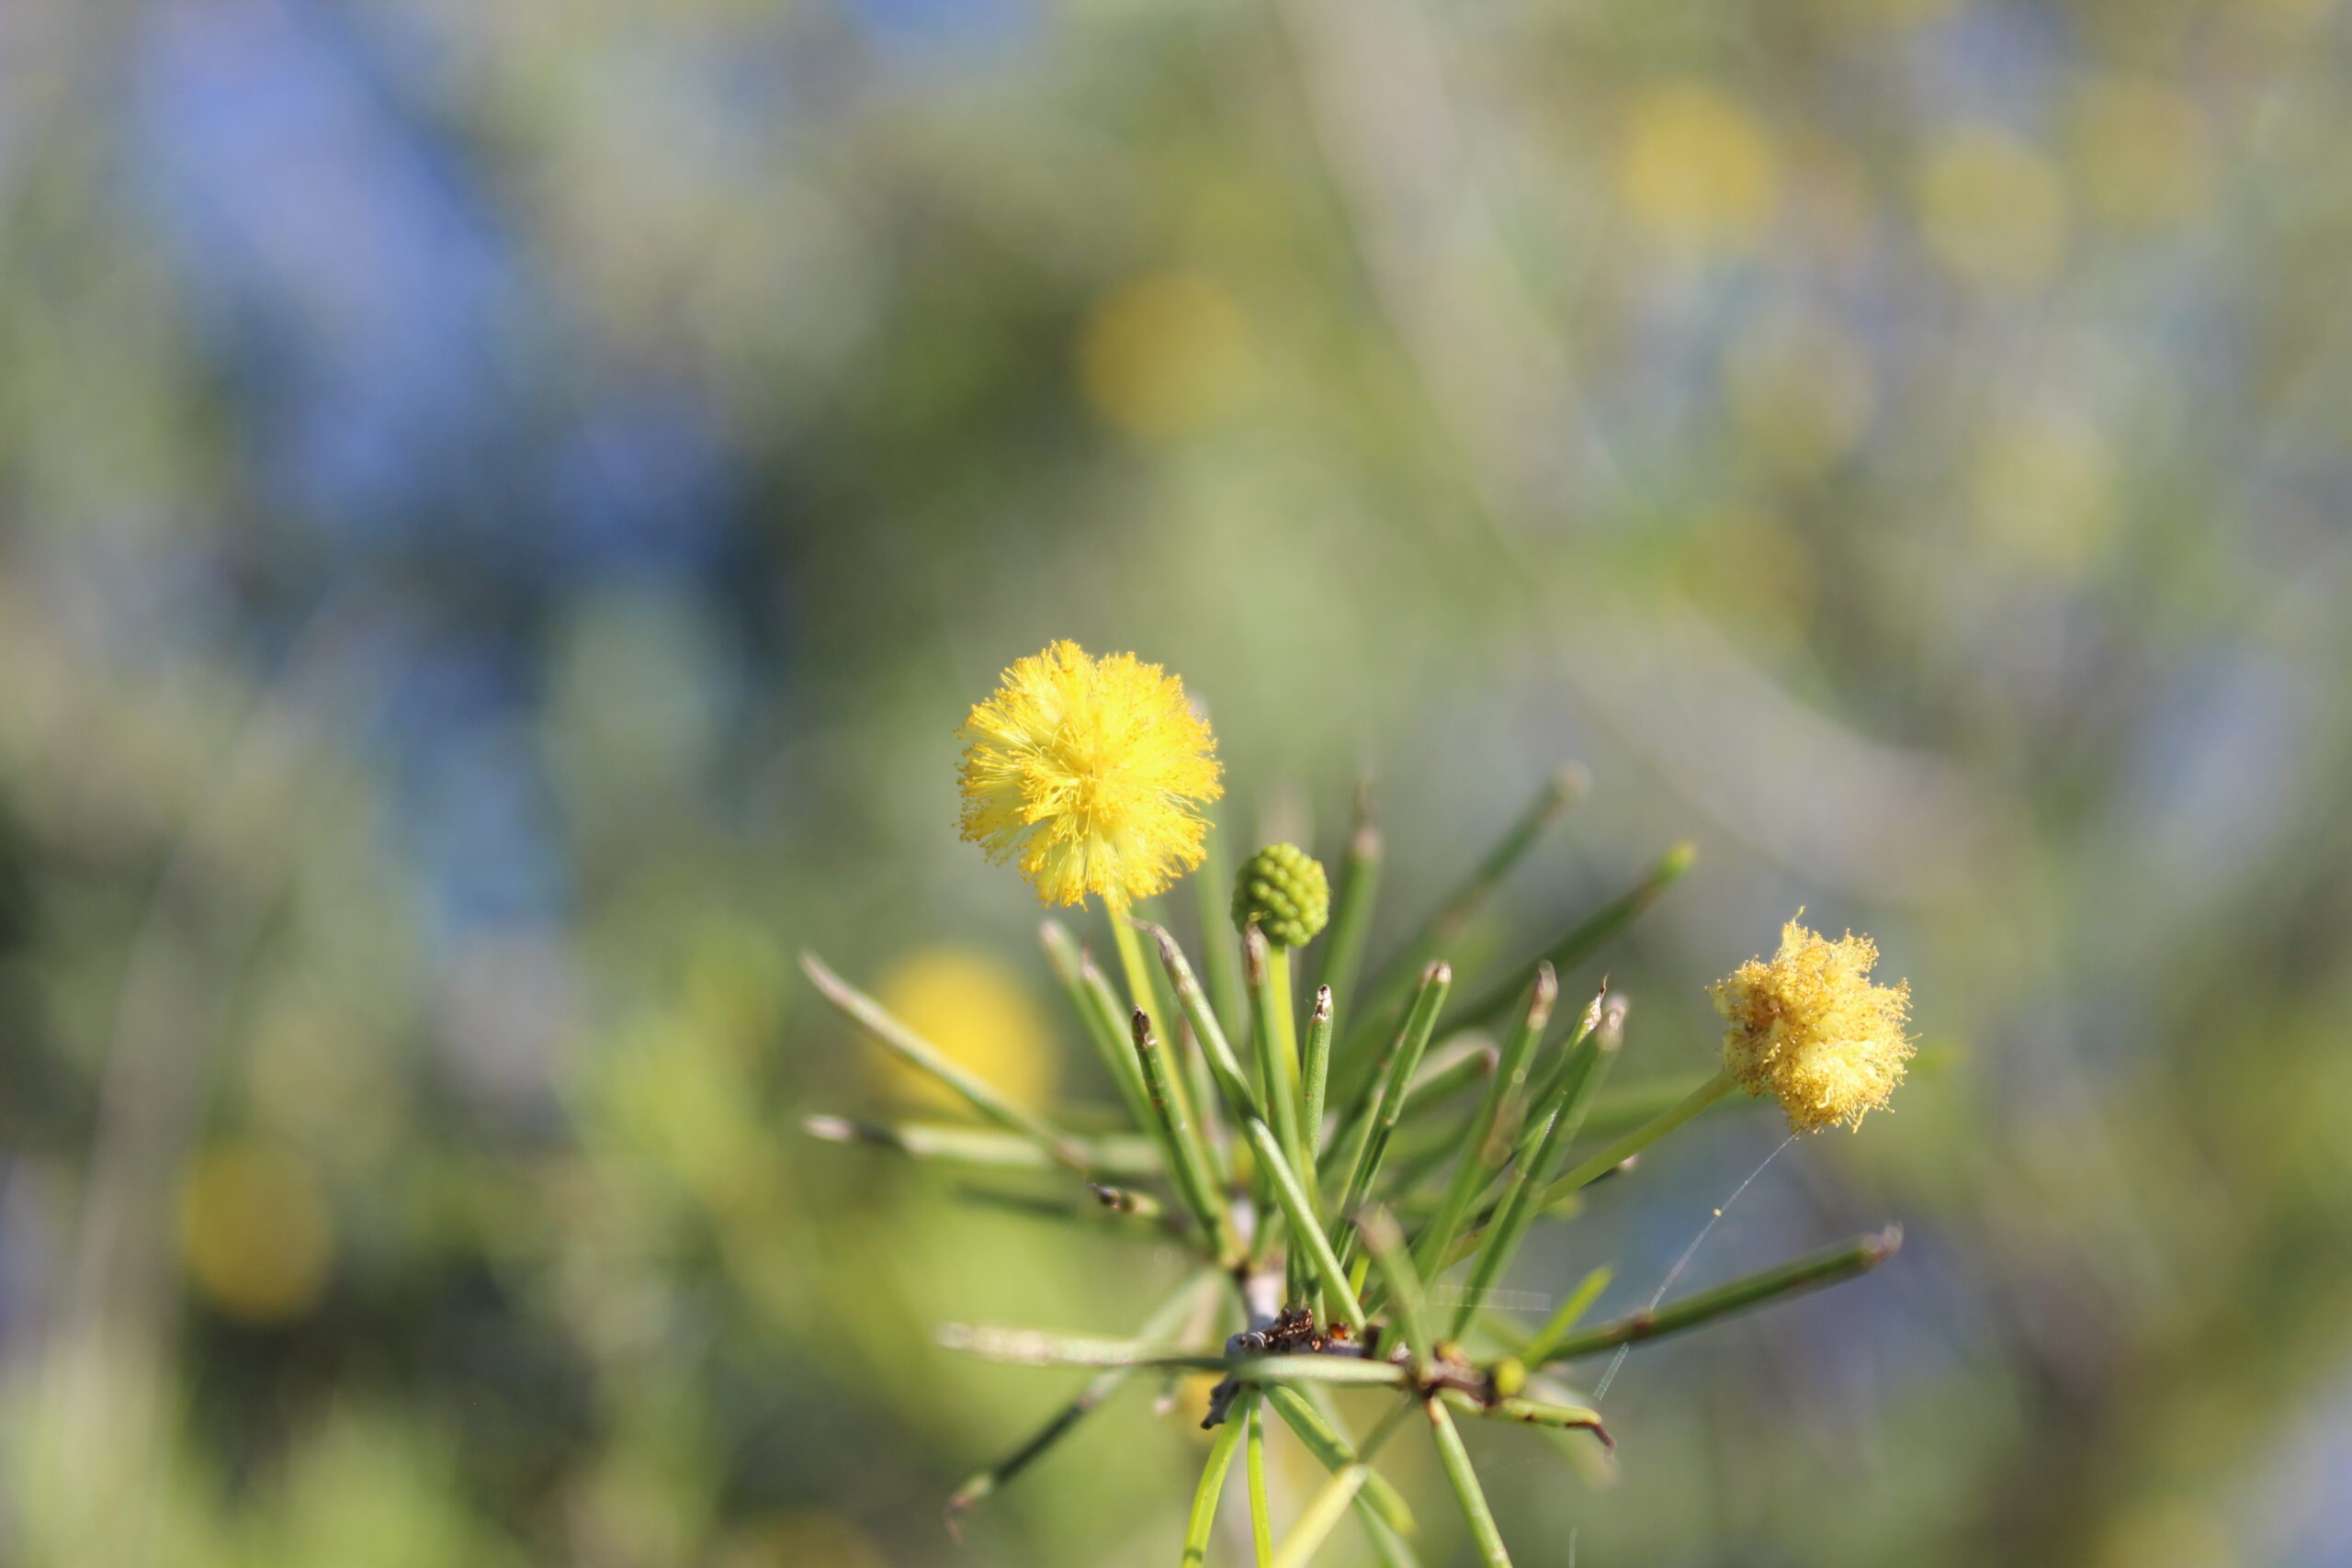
(1140, 993)
(1640, 1138)
(1274, 1023)
(1811, 1272)
(1262, 1524)
(1622, 1109)
(1464, 1478)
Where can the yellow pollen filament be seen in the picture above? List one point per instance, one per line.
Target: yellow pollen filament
(1087, 774)
(1810, 1029)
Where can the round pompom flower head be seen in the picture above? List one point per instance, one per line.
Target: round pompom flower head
(1087, 774)
(1809, 1029)
(1283, 891)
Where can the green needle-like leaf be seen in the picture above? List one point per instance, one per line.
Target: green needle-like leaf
(1303, 1409)
(1317, 1072)
(1460, 1063)
(1261, 1523)
(1587, 938)
(1188, 1160)
(1212, 887)
(1386, 1244)
(1175, 1087)
(1489, 1144)
(1202, 1520)
(1126, 1156)
(1535, 1412)
(1040, 1348)
(1594, 1166)
(1320, 1518)
(1098, 1015)
(1404, 1059)
(1464, 1479)
(917, 1052)
(1521, 1198)
(1424, 1141)
(1352, 903)
(1628, 1106)
(1165, 1320)
(1232, 1081)
(1545, 1346)
(1396, 979)
(1810, 1272)
(1137, 1215)
(1330, 1278)
(1625, 1108)
(1266, 970)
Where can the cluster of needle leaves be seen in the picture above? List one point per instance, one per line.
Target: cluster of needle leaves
(1352, 1204)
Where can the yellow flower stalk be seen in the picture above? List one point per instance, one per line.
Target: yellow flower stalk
(1088, 773)
(1810, 1029)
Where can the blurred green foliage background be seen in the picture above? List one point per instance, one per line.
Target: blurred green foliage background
(502, 507)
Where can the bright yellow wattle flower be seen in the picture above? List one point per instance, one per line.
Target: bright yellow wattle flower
(1809, 1029)
(1088, 773)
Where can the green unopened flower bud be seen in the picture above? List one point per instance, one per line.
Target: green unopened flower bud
(1282, 889)
(1509, 1377)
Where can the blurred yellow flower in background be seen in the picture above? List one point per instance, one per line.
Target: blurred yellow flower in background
(974, 1009)
(1991, 208)
(1087, 774)
(1697, 170)
(1809, 1029)
(255, 1233)
(1166, 354)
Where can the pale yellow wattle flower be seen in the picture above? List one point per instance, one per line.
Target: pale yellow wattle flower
(1088, 773)
(1809, 1029)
